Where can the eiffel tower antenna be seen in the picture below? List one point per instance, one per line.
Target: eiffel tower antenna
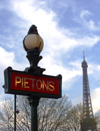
(83, 55)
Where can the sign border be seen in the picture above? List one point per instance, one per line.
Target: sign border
(7, 86)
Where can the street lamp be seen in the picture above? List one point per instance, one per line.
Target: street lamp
(33, 44)
(33, 39)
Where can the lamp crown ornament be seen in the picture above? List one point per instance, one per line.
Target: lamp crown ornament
(33, 30)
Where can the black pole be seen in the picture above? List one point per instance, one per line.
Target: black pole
(34, 58)
(15, 112)
(34, 119)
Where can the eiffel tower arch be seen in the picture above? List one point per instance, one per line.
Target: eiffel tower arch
(88, 122)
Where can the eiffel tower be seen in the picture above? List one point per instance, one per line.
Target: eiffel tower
(88, 122)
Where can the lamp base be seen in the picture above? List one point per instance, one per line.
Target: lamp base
(34, 58)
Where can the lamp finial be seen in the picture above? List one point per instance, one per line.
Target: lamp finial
(33, 30)
(83, 55)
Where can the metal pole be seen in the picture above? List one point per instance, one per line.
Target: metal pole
(34, 119)
(15, 112)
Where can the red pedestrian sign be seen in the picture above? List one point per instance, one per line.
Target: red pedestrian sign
(24, 83)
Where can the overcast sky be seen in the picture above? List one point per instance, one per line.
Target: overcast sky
(68, 27)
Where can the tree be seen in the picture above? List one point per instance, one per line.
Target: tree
(6, 115)
(74, 117)
(52, 114)
(97, 118)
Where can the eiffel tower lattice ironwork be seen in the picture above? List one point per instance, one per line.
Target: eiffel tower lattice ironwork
(88, 122)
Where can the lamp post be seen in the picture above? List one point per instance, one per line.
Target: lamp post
(32, 82)
(33, 44)
(15, 112)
